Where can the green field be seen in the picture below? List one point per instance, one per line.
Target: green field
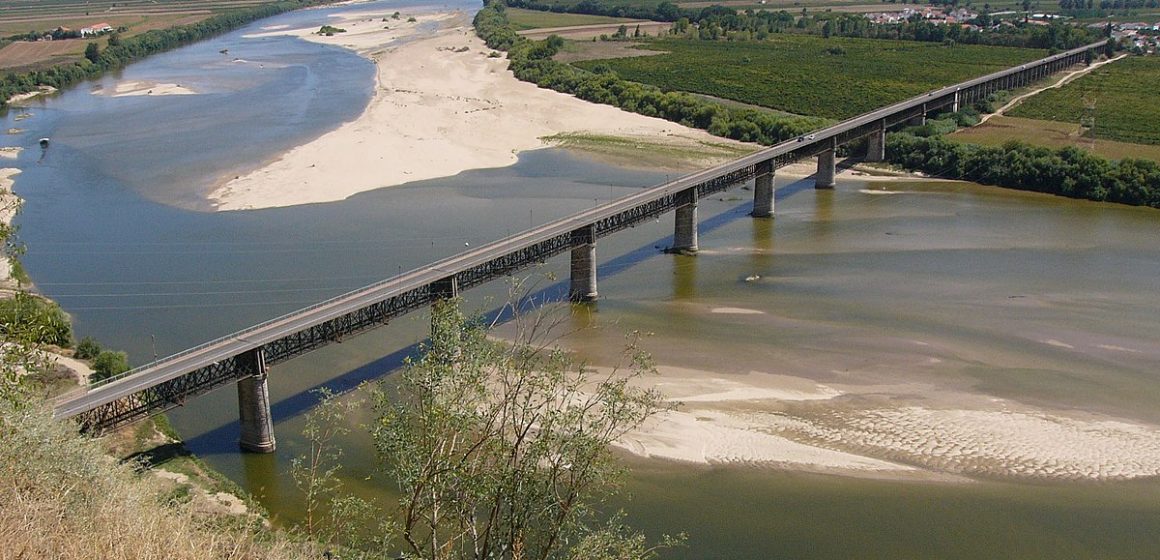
(533, 19)
(1125, 96)
(1050, 134)
(802, 74)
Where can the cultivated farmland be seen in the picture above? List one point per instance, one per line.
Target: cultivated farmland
(1121, 98)
(809, 75)
(533, 19)
(19, 17)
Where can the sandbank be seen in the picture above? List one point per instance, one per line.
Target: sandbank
(903, 431)
(443, 103)
(136, 88)
(10, 152)
(21, 97)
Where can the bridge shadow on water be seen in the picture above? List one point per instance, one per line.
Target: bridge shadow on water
(223, 439)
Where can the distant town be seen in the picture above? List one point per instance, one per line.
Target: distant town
(1139, 37)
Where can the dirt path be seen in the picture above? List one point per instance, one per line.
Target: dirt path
(1060, 83)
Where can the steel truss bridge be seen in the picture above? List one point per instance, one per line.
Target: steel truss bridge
(242, 357)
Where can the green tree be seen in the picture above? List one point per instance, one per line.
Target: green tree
(93, 52)
(87, 349)
(329, 516)
(109, 363)
(502, 450)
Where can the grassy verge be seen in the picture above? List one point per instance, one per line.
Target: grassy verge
(650, 153)
(65, 498)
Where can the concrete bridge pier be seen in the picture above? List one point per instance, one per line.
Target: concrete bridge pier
(876, 146)
(685, 232)
(257, 434)
(763, 191)
(824, 179)
(583, 282)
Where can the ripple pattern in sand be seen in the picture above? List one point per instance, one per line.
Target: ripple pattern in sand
(993, 443)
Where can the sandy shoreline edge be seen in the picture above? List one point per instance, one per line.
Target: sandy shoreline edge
(443, 103)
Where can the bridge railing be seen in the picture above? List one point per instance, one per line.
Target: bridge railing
(227, 338)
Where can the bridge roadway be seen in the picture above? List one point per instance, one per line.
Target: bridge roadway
(242, 357)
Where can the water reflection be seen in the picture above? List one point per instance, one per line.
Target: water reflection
(261, 478)
(762, 255)
(684, 277)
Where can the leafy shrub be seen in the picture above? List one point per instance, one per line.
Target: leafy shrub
(36, 320)
(87, 349)
(109, 363)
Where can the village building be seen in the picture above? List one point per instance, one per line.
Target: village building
(96, 29)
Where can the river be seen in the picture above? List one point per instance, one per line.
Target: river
(1040, 301)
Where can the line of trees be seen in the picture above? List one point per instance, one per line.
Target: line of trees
(531, 61)
(1069, 171)
(120, 52)
(720, 22)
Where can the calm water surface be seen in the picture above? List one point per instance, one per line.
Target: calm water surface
(115, 232)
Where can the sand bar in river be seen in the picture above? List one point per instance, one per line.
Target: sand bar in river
(443, 103)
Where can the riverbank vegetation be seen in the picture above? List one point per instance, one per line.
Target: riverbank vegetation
(122, 51)
(1118, 101)
(1070, 171)
(531, 61)
(835, 78)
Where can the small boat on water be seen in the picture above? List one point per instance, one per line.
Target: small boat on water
(44, 142)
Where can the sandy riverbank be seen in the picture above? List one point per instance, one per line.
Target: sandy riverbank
(22, 97)
(442, 105)
(904, 431)
(9, 204)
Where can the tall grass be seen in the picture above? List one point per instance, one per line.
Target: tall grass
(61, 497)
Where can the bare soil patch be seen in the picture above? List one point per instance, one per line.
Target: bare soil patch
(20, 53)
(588, 32)
(600, 50)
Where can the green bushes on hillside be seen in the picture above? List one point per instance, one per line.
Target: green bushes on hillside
(34, 319)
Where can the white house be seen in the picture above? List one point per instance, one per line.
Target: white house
(96, 29)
